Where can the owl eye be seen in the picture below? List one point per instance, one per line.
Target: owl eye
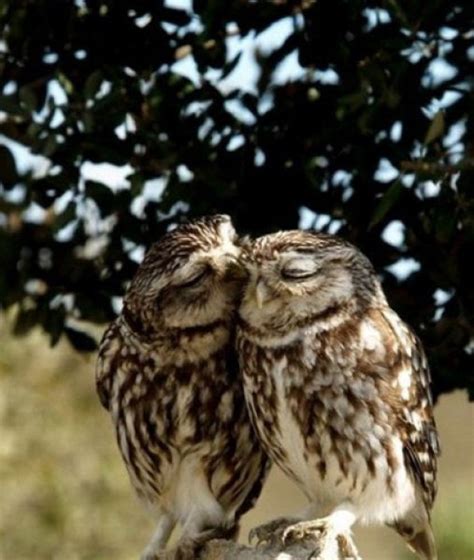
(299, 270)
(195, 279)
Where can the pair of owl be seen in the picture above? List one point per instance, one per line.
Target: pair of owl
(229, 352)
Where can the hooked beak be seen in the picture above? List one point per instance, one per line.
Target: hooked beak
(234, 269)
(260, 294)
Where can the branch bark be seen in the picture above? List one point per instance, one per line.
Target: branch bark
(228, 550)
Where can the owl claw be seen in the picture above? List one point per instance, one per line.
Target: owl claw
(347, 547)
(331, 542)
(304, 530)
(254, 536)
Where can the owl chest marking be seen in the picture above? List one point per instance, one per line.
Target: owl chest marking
(334, 430)
(160, 413)
(177, 429)
(294, 459)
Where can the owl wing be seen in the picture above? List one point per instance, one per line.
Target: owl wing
(255, 462)
(263, 465)
(410, 383)
(109, 350)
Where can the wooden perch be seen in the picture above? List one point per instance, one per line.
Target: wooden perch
(228, 550)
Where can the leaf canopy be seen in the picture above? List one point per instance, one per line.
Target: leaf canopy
(118, 119)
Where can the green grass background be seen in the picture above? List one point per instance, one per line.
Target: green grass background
(65, 494)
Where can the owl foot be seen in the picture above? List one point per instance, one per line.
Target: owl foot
(332, 541)
(190, 548)
(271, 532)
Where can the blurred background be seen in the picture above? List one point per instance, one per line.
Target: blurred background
(119, 120)
(66, 494)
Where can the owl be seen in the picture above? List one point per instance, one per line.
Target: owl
(167, 373)
(338, 389)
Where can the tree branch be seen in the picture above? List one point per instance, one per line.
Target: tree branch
(436, 168)
(228, 550)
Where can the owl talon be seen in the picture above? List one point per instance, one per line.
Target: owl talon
(347, 548)
(304, 530)
(332, 543)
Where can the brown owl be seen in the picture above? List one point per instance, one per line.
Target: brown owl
(167, 374)
(338, 389)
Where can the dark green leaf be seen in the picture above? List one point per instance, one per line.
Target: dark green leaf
(386, 203)
(102, 195)
(80, 340)
(28, 98)
(54, 324)
(230, 66)
(65, 217)
(8, 172)
(300, 129)
(92, 84)
(436, 128)
(9, 104)
(25, 320)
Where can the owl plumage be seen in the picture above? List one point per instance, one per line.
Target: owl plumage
(338, 388)
(167, 373)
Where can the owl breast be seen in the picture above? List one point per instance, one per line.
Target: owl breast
(321, 420)
(183, 430)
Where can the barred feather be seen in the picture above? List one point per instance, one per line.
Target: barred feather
(166, 373)
(337, 385)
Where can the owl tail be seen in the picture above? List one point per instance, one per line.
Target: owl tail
(423, 543)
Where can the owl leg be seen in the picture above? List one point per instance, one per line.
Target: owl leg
(206, 521)
(332, 534)
(189, 548)
(160, 537)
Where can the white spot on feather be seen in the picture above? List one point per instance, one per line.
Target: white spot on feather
(226, 406)
(404, 381)
(371, 338)
(342, 406)
(416, 420)
(424, 457)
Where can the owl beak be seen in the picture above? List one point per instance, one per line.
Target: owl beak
(234, 270)
(260, 294)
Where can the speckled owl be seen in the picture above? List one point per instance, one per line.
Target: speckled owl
(167, 374)
(338, 388)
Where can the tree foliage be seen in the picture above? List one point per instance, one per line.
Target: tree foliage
(347, 116)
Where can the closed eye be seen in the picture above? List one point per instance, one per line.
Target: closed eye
(297, 273)
(299, 269)
(195, 279)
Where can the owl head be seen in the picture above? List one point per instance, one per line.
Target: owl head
(189, 278)
(296, 276)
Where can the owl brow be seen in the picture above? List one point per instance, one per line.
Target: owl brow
(306, 250)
